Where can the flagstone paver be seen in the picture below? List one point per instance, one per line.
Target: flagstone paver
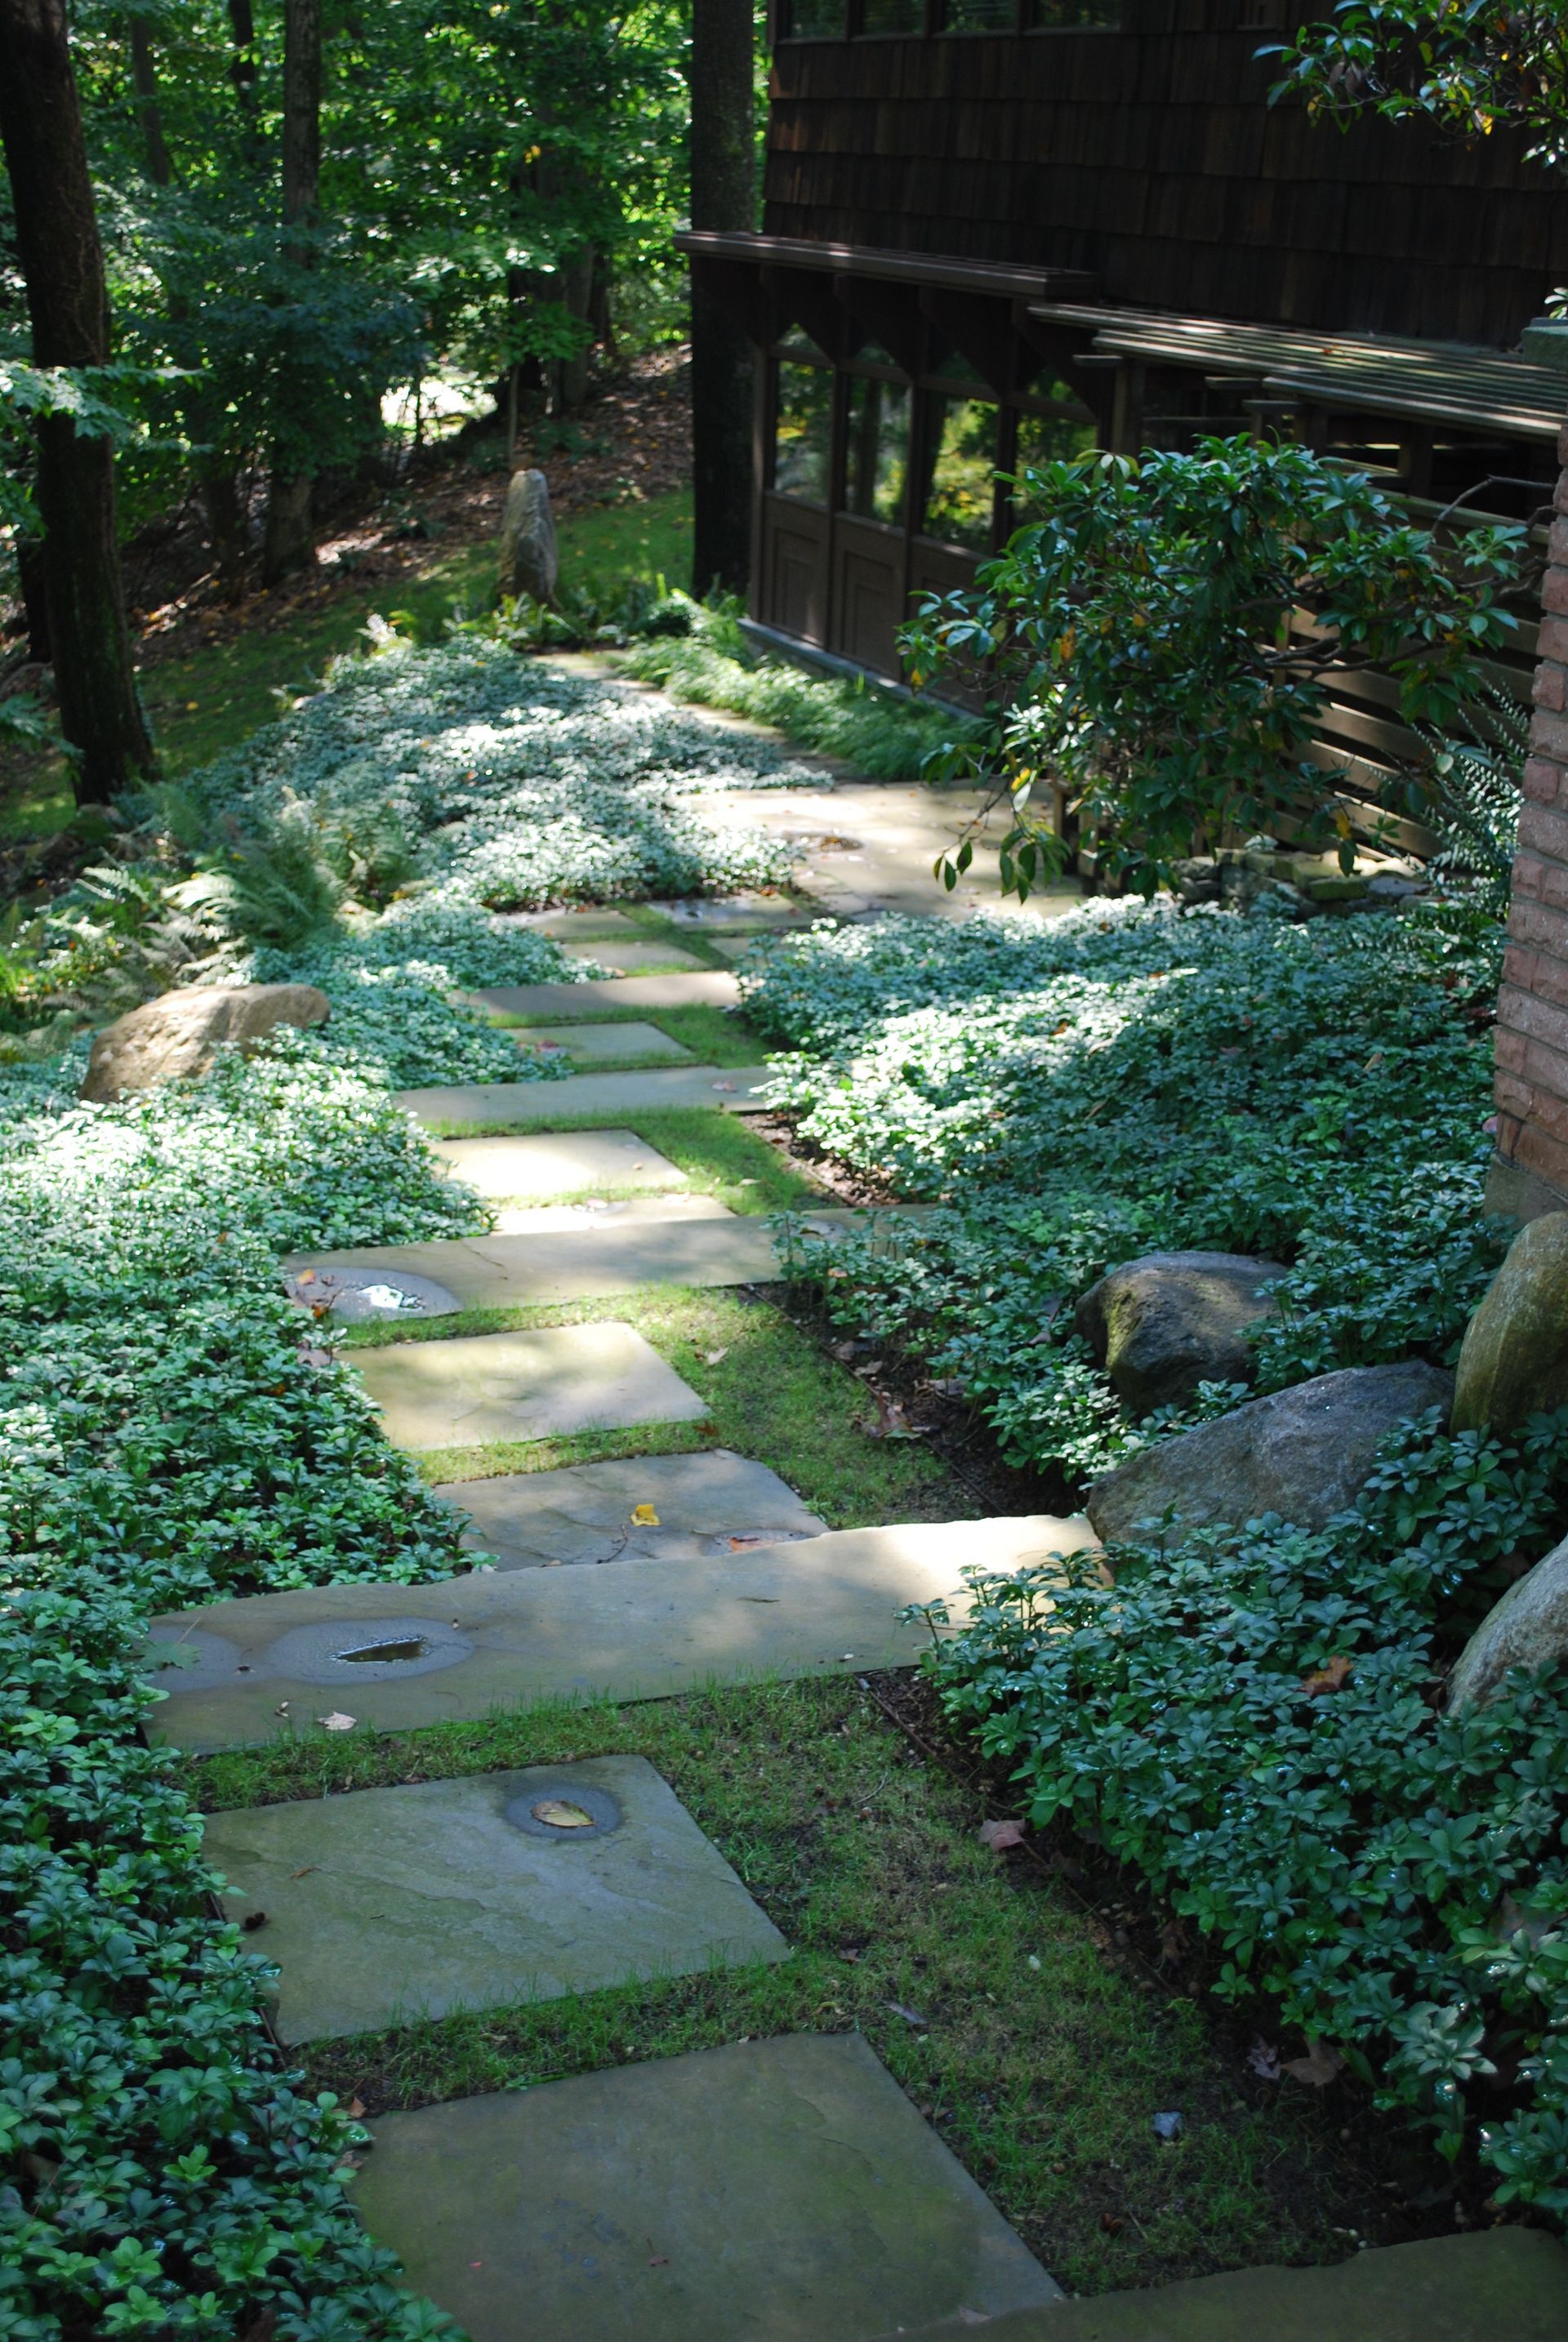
(575, 925)
(585, 1043)
(387, 1906)
(555, 1380)
(611, 1255)
(743, 914)
(634, 956)
(362, 1296)
(708, 987)
(735, 1089)
(598, 1211)
(782, 2191)
(238, 1672)
(557, 1163)
(712, 1503)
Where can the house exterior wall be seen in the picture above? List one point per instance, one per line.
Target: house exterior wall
(1150, 156)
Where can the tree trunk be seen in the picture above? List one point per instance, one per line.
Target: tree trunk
(35, 598)
(62, 265)
(145, 80)
(243, 72)
(723, 196)
(290, 539)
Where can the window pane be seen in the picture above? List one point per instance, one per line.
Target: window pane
(878, 453)
(980, 16)
(815, 20)
(906, 16)
(1045, 15)
(958, 502)
(1051, 439)
(802, 442)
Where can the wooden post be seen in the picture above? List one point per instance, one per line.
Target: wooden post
(723, 196)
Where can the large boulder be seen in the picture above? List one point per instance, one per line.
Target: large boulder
(176, 1035)
(1302, 1453)
(1528, 1628)
(1515, 1354)
(1165, 1324)
(530, 562)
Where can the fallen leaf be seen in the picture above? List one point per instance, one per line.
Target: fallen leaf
(1167, 2125)
(1000, 1835)
(711, 1358)
(660, 2260)
(253, 1920)
(1173, 1941)
(1264, 2060)
(910, 2015)
(1328, 1678)
(1317, 2068)
(1111, 2225)
(561, 1814)
(355, 2110)
(305, 1870)
(721, 1085)
(337, 1721)
(892, 1423)
(643, 1517)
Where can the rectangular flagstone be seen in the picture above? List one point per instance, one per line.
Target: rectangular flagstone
(782, 2190)
(612, 1255)
(736, 914)
(238, 1672)
(542, 1384)
(388, 1905)
(588, 1043)
(708, 987)
(596, 1212)
(636, 958)
(736, 1088)
(547, 1164)
(715, 1502)
(578, 926)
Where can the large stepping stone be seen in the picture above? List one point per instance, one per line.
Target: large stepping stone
(588, 1043)
(543, 1385)
(711, 987)
(449, 1107)
(639, 955)
(711, 1503)
(388, 1905)
(734, 914)
(784, 2191)
(610, 1256)
(598, 1212)
(1505, 2285)
(238, 1674)
(550, 1162)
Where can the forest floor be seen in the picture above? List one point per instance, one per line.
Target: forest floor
(214, 669)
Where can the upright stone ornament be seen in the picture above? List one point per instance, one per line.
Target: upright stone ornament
(530, 562)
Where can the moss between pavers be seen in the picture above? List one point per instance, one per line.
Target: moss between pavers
(1000, 2006)
(771, 1394)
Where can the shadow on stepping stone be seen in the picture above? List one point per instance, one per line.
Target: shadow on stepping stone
(390, 1906)
(783, 2190)
(715, 1502)
(536, 1385)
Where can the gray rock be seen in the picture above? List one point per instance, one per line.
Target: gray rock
(1528, 1628)
(530, 562)
(1514, 1360)
(1302, 1453)
(177, 1035)
(1165, 1324)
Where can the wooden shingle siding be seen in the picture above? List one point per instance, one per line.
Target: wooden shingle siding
(1149, 157)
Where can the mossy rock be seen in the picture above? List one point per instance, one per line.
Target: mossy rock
(1514, 1361)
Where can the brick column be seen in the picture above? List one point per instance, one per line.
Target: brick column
(1530, 1171)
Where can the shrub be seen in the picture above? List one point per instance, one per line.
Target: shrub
(1250, 1718)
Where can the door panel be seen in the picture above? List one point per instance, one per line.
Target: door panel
(868, 593)
(794, 569)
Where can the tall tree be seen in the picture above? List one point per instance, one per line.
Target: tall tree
(290, 537)
(67, 302)
(723, 196)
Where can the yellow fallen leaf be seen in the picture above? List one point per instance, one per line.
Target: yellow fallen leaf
(561, 1814)
(643, 1517)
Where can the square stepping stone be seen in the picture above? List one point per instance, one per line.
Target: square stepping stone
(549, 1164)
(744, 914)
(537, 1386)
(237, 1674)
(784, 2191)
(580, 926)
(580, 1004)
(600, 1211)
(713, 1504)
(641, 957)
(388, 1905)
(447, 1107)
(590, 1045)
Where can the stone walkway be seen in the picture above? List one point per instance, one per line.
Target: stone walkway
(781, 2190)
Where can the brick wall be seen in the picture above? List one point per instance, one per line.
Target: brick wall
(1530, 1171)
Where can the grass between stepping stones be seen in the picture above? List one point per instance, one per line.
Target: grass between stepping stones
(1005, 2010)
(771, 1394)
(718, 1153)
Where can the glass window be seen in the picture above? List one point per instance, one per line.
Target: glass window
(980, 17)
(906, 16)
(798, 338)
(815, 20)
(1066, 16)
(802, 435)
(963, 460)
(1052, 439)
(954, 367)
(877, 458)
